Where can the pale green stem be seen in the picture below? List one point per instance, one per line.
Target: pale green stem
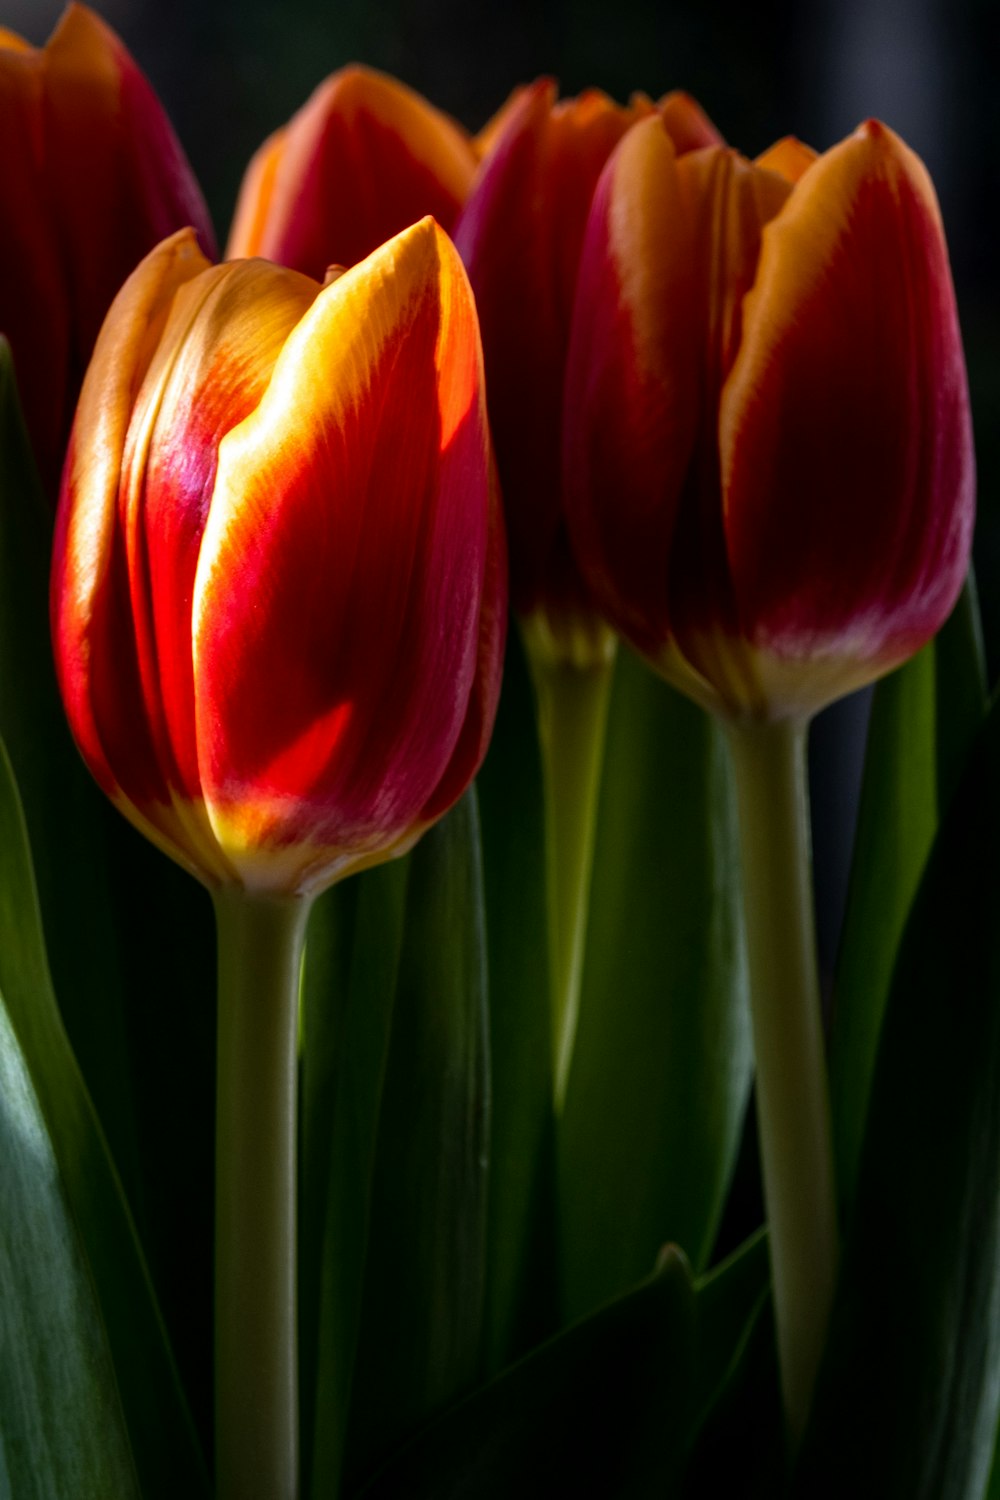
(572, 714)
(256, 1355)
(793, 1107)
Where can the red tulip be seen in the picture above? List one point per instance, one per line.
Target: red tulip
(278, 594)
(768, 451)
(92, 178)
(363, 159)
(520, 235)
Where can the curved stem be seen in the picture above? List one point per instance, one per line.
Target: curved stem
(256, 1356)
(572, 714)
(793, 1107)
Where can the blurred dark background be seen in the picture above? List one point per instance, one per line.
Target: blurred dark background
(230, 71)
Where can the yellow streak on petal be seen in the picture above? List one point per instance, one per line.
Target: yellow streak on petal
(253, 207)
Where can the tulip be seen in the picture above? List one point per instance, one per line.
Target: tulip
(769, 479)
(364, 158)
(768, 451)
(521, 234)
(278, 607)
(92, 178)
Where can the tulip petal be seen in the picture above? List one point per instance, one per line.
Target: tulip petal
(844, 427)
(113, 159)
(789, 157)
(96, 655)
(686, 123)
(225, 331)
(364, 158)
(521, 234)
(337, 597)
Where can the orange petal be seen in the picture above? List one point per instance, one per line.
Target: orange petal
(95, 651)
(844, 428)
(364, 158)
(357, 494)
(789, 157)
(686, 122)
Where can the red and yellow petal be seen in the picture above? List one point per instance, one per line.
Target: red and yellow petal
(96, 655)
(356, 495)
(845, 438)
(686, 123)
(363, 159)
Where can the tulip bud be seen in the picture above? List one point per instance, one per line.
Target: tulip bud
(768, 451)
(92, 177)
(278, 595)
(520, 235)
(364, 158)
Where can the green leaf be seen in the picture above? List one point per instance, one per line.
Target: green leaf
(662, 1066)
(521, 1295)
(897, 820)
(727, 1301)
(164, 1446)
(352, 954)
(62, 1434)
(425, 1271)
(602, 1409)
(923, 721)
(908, 1397)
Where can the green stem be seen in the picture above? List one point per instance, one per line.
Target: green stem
(793, 1107)
(256, 1356)
(572, 714)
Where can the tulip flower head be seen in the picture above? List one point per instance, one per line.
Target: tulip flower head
(92, 178)
(768, 450)
(364, 158)
(278, 595)
(520, 235)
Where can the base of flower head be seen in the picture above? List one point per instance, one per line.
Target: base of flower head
(567, 638)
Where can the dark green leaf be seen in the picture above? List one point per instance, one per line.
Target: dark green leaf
(909, 1391)
(602, 1409)
(164, 1447)
(421, 1336)
(521, 1299)
(924, 719)
(352, 954)
(897, 821)
(62, 1433)
(727, 1300)
(661, 1071)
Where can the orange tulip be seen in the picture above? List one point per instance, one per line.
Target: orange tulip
(363, 159)
(92, 178)
(278, 593)
(768, 450)
(520, 235)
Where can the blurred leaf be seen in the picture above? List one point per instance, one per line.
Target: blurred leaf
(63, 1431)
(897, 821)
(727, 1299)
(908, 1396)
(164, 1446)
(421, 1336)
(961, 689)
(521, 1296)
(601, 1409)
(662, 1066)
(352, 955)
(923, 721)
(739, 1448)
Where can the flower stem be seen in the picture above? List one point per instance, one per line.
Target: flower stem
(256, 1356)
(572, 714)
(793, 1108)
